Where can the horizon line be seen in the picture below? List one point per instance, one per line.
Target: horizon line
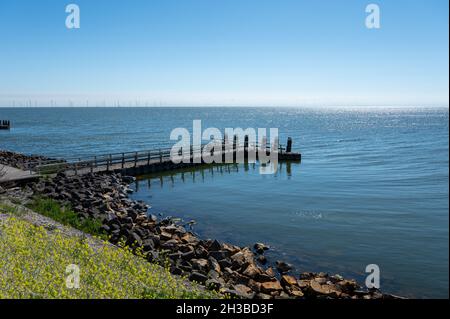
(229, 106)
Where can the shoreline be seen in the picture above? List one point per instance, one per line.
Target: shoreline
(229, 269)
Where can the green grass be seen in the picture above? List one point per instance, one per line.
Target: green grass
(7, 208)
(52, 168)
(34, 261)
(66, 216)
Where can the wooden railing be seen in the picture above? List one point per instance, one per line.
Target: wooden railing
(122, 160)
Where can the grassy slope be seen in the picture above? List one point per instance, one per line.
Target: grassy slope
(33, 263)
(66, 216)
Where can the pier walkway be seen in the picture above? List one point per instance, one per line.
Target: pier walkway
(143, 162)
(10, 174)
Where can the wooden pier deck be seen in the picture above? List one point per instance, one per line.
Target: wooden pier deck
(14, 175)
(143, 162)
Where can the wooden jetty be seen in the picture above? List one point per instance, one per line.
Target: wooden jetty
(152, 161)
(5, 124)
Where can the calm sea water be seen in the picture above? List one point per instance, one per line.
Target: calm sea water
(372, 187)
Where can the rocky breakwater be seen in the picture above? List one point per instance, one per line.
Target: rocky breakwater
(20, 161)
(227, 268)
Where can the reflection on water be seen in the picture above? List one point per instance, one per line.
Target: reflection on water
(204, 172)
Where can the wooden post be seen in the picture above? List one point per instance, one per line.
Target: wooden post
(135, 159)
(107, 165)
(289, 145)
(276, 142)
(246, 142)
(263, 145)
(225, 140)
(234, 142)
(123, 160)
(148, 158)
(160, 156)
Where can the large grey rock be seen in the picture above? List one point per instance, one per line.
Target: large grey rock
(198, 277)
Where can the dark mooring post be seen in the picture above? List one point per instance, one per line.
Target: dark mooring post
(246, 142)
(289, 145)
(234, 142)
(225, 141)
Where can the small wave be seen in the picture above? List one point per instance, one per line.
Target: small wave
(349, 140)
(309, 214)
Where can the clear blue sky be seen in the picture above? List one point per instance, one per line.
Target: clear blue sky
(224, 52)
